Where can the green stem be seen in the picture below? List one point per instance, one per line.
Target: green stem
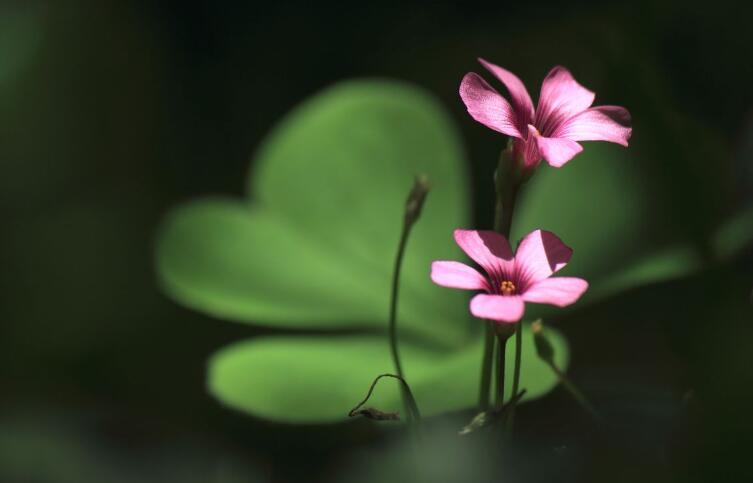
(574, 391)
(504, 210)
(393, 311)
(501, 350)
(507, 191)
(516, 375)
(413, 207)
(412, 407)
(486, 367)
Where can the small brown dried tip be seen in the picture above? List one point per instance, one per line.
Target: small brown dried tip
(375, 414)
(416, 198)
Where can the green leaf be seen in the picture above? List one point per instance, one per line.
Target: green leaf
(20, 39)
(319, 379)
(595, 204)
(733, 236)
(598, 205)
(315, 249)
(668, 264)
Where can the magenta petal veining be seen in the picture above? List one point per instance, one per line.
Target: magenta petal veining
(552, 130)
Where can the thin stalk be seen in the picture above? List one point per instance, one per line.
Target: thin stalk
(545, 351)
(507, 191)
(503, 212)
(501, 350)
(412, 407)
(515, 375)
(413, 207)
(486, 367)
(394, 350)
(394, 299)
(575, 392)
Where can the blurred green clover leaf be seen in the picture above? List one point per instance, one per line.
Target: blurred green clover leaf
(311, 251)
(21, 32)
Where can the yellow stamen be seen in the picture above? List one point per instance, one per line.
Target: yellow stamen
(507, 287)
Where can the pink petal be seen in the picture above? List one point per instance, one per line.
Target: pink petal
(527, 151)
(557, 151)
(561, 98)
(601, 123)
(487, 106)
(457, 275)
(521, 100)
(539, 255)
(503, 308)
(487, 248)
(559, 291)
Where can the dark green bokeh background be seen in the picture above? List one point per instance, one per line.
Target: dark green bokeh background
(113, 112)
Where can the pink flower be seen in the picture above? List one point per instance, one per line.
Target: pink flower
(510, 280)
(562, 117)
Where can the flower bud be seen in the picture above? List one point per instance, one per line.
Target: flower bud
(544, 348)
(416, 198)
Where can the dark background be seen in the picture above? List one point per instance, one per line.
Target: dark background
(113, 112)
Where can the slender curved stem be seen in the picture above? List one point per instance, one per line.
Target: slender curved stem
(413, 412)
(413, 206)
(579, 397)
(394, 350)
(394, 299)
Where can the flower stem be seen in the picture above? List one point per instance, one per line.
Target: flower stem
(516, 375)
(394, 299)
(501, 350)
(506, 184)
(545, 351)
(504, 210)
(393, 310)
(413, 207)
(579, 397)
(486, 367)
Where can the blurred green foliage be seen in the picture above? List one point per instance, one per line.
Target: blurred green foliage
(313, 251)
(50, 446)
(319, 379)
(21, 31)
(315, 247)
(113, 112)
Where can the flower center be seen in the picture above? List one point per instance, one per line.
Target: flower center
(507, 287)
